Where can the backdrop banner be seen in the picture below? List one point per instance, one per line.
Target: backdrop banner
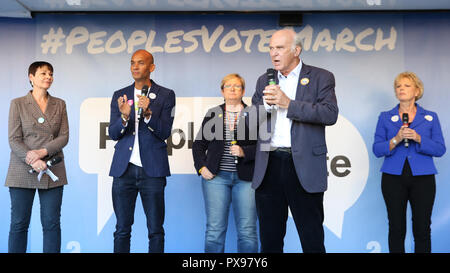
(91, 57)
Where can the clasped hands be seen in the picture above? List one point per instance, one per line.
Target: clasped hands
(34, 159)
(235, 150)
(125, 108)
(407, 133)
(273, 95)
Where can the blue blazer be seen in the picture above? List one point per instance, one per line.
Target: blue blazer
(420, 156)
(152, 136)
(314, 107)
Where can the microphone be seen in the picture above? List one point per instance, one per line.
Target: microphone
(50, 163)
(234, 142)
(144, 92)
(271, 76)
(405, 119)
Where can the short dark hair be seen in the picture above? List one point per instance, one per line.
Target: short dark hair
(34, 67)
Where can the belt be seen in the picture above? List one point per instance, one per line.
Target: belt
(281, 149)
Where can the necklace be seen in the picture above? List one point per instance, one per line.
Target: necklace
(232, 125)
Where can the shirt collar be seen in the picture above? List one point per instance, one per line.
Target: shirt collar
(295, 72)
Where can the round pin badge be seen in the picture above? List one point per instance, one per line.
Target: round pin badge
(429, 118)
(41, 120)
(152, 96)
(304, 81)
(395, 118)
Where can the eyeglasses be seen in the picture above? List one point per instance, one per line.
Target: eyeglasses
(235, 86)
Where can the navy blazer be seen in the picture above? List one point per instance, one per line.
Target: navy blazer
(420, 156)
(208, 150)
(314, 107)
(152, 135)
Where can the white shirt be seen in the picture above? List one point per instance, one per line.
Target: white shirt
(281, 136)
(135, 155)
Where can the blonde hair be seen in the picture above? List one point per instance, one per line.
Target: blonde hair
(232, 76)
(413, 77)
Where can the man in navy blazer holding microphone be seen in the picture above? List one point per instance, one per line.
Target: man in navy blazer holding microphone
(290, 161)
(141, 120)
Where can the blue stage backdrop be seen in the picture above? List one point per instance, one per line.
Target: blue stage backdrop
(91, 56)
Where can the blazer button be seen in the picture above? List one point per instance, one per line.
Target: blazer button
(131, 148)
(134, 133)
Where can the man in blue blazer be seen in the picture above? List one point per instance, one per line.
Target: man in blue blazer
(290, 160)
(140, 163)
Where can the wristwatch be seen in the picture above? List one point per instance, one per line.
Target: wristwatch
(394, 141)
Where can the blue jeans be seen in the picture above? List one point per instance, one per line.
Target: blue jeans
(124, 193)
(221, 191)
(21, 206)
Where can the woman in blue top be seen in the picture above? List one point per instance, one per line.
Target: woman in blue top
(408, 136)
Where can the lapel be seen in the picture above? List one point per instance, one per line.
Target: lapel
(154, 88)
(221, 117)
(243, 123)
(33, 107)
(419, 118)
(244, 114)
(302, 88)
(129, 91)
(394, 118)
(50, 112)
(37, 113)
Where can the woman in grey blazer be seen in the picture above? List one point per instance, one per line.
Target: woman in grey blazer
(38, 129)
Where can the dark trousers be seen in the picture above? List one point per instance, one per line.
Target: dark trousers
(124, 193)
(21, 206)
(420, 192)
(279, 189)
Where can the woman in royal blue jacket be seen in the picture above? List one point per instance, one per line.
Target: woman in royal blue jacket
(408, 136)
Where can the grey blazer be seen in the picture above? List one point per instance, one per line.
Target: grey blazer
(26, 132)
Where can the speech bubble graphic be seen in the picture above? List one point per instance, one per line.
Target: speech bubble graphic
(348, 170)
(347, 155)
(95, 153)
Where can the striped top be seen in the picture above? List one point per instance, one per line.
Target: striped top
(227, 162)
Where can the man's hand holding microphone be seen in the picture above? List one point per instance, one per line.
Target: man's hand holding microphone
(273, 95)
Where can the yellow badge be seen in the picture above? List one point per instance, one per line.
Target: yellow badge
(220, 115)
(304, 81)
